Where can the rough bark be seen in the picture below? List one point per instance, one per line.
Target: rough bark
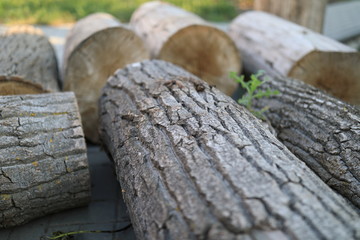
(28, 63)
(308, 13)
(297, 52)
(96, 46)
(43, 162)
(175, 35)
(320, 130)
(193, 164)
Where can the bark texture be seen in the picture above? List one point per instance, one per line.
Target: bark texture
(297, 52)
(322, 131)
(308, 13)
(183, 38)
(43, 162)
(28, 63)
(193, 164)
(96, 46)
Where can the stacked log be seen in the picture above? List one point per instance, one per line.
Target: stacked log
(43, 163)
(193, 164)
(293, 51)
(96, 46)
(27, 62)
(175, 35)
(320, 130)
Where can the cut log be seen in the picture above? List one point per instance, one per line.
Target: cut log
(308, 13)
(193, 164)
(320, 130)
(43, 163)
(28, 63)
(96, 46)
(296, 52)
(175, 35)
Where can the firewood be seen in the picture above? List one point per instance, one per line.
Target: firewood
(96, 46)
(297, 52)
(28, 63)
(194, 164)
(183, 38)
(43, 163)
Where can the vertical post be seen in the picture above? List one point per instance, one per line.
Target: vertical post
(308, 13)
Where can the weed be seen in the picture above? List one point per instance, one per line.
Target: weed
(253, 92)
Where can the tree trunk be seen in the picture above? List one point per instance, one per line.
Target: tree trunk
(175, 35)
(193, 164)
(296, 52)
(308, 13)
(43, 163)
(96, 46)
(27, 62)
(320, 130)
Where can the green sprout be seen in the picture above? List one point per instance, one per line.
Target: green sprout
(253, 92)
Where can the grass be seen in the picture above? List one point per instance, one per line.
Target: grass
(63, 11)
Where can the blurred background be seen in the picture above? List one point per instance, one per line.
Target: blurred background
(55, 12)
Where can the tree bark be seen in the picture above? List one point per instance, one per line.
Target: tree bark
(308, 13)
(296, 52)
(175, 35)
(193, 164)
(43, 163)
(28, 63)
(96, 46)
(320, 130)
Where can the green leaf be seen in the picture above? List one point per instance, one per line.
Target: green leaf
(252, 89)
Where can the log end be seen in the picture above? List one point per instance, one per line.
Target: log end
(337, 73)
(92, 62)
(206, 52)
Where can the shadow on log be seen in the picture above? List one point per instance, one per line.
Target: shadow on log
(297, 52)
(193, 164)
(96, 46)
(43, 162)
(321, 130)
(27, 62)
(183, 38)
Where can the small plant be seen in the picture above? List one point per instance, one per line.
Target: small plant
(253, 92)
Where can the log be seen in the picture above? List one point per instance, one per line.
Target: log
(297, 52)
(320, 130)
(194, 164)
(183, 38)
(28, 63)
(96, 46)
(307, 13)
(43, 162)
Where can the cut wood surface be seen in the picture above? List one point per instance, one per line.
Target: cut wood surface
(308, 13)
(322, 131)
(28, 63)
(193, 164)
(43, 162)
(297, 52)
(183, 38)
(96, 46)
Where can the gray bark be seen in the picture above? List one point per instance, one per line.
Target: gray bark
(320, 130)
(43, 162)
(193, 164)
(28, 63)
